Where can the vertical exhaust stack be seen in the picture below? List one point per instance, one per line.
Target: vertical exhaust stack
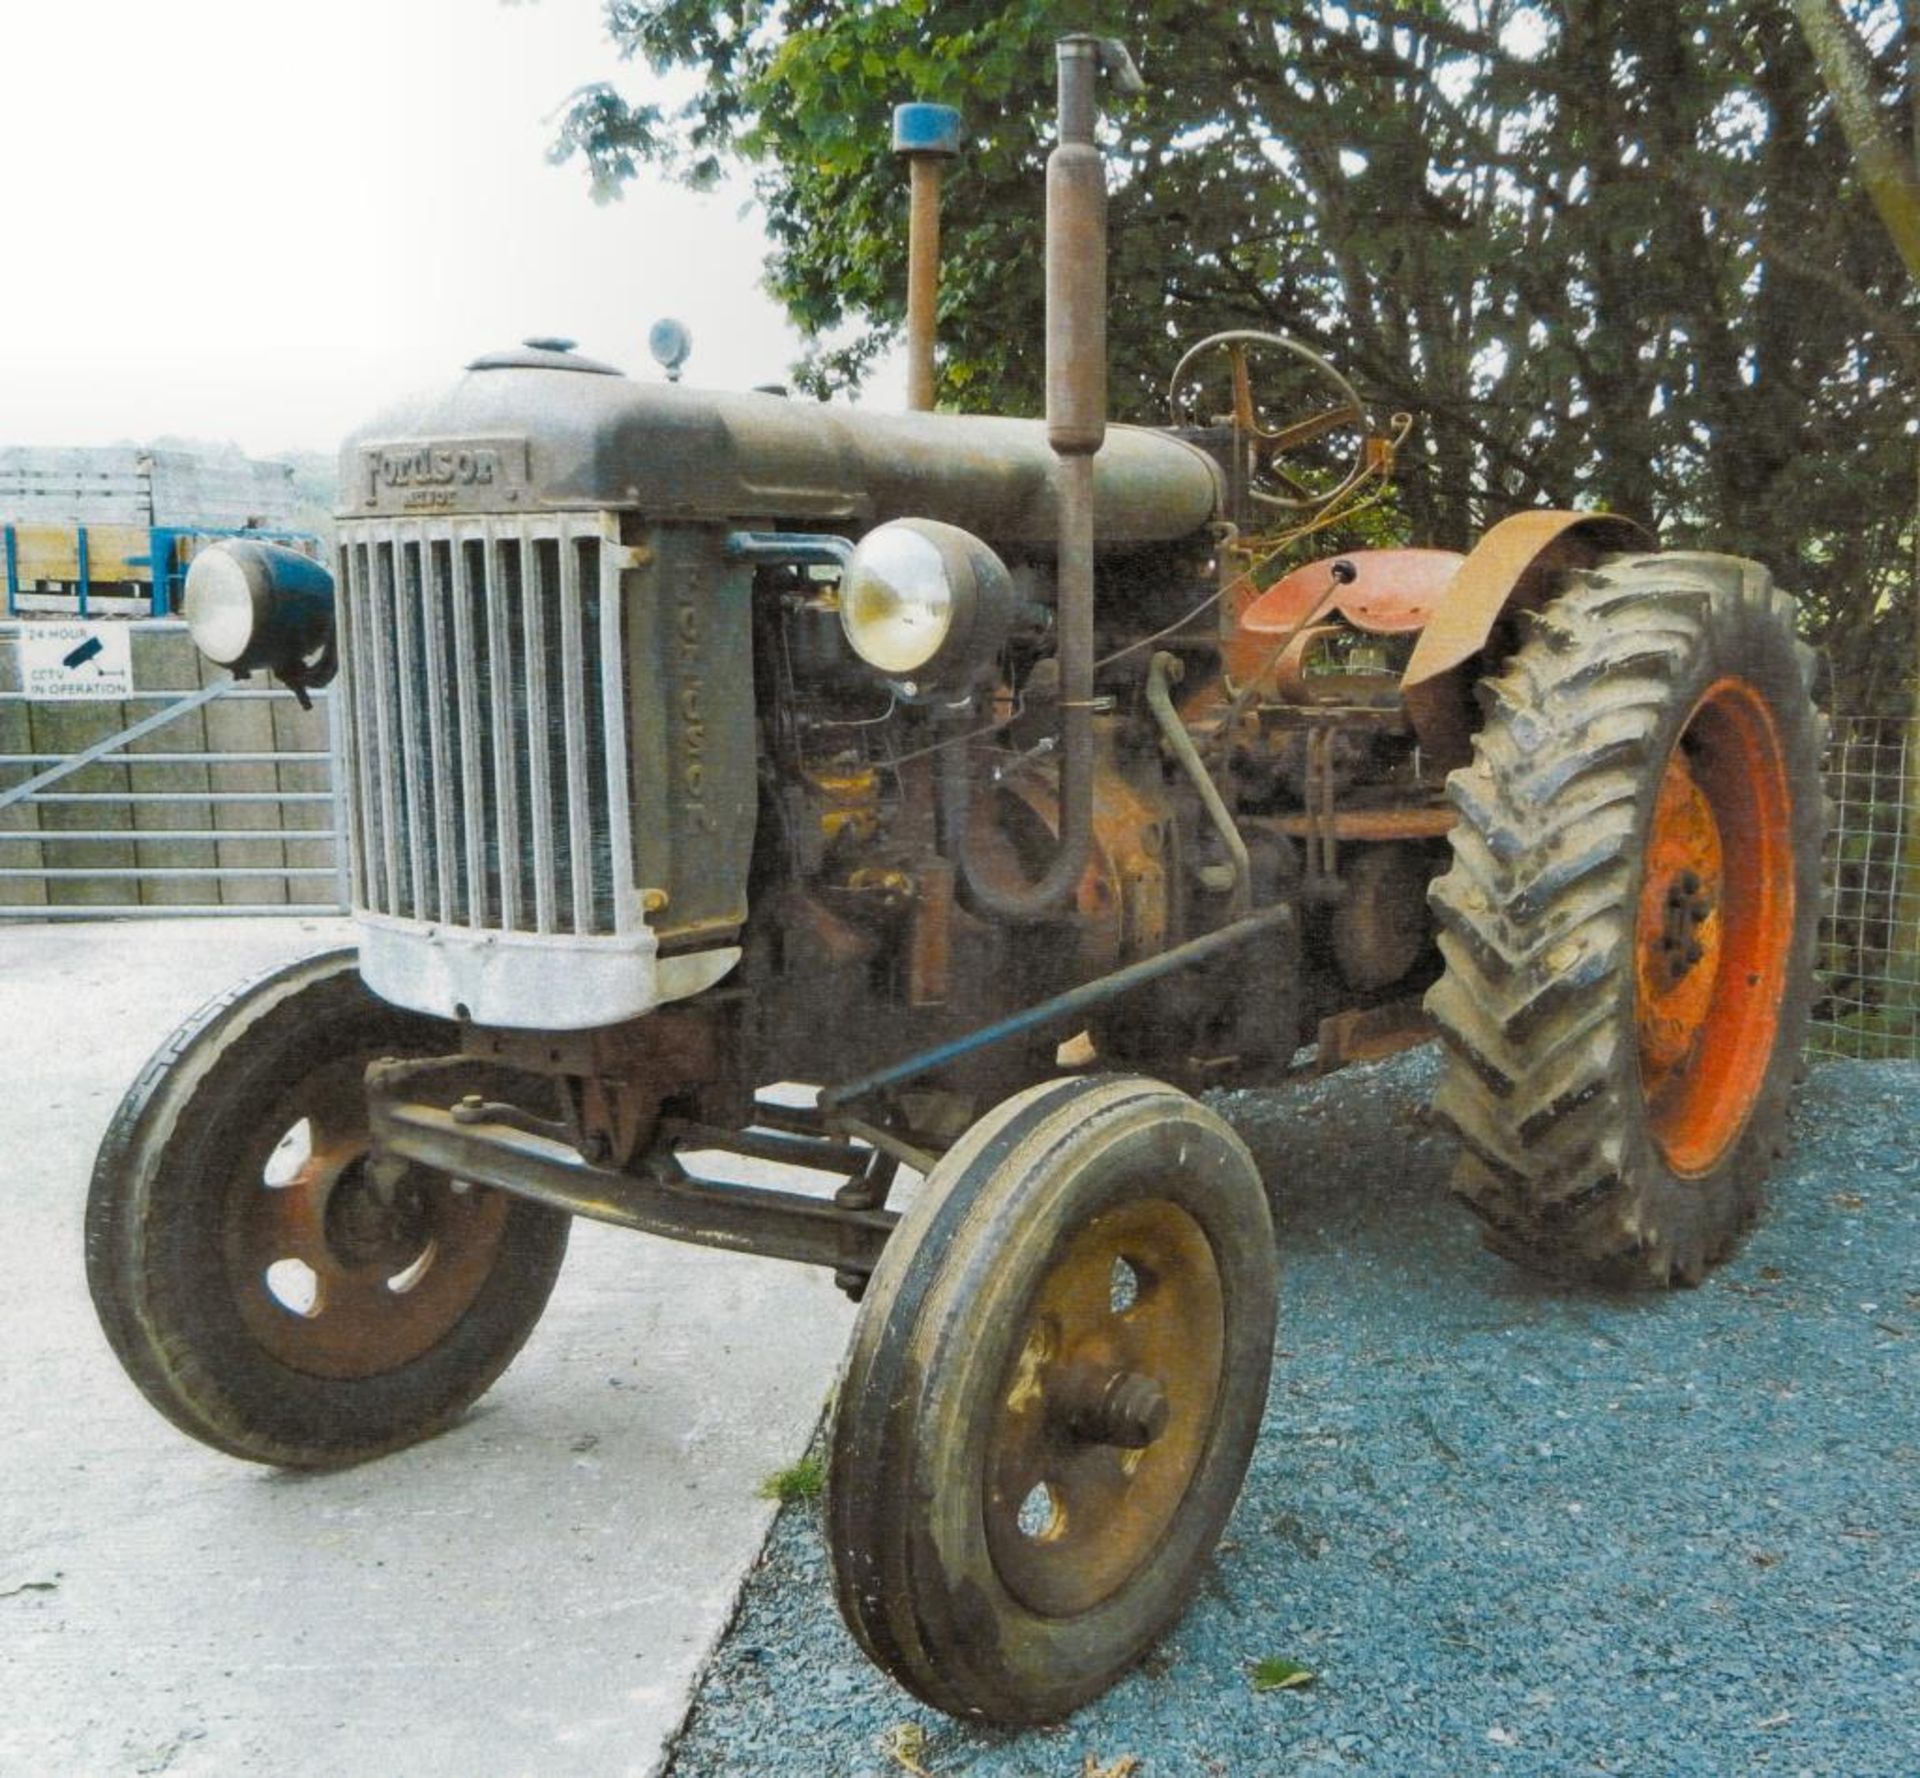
(1076, 428)
(927, 136)
(1077, 254)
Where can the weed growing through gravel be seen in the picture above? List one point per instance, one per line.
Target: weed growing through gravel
(798, 1481)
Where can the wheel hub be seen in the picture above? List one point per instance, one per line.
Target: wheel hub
(1679, 937)
(1688, 908)
(1103, 1418)
(330, 1277)
(1108, 1406)
(364, 1230)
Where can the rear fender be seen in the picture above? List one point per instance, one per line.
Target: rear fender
(1473, 626)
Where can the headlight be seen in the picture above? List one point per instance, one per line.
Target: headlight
(926, 604)
(250, 605)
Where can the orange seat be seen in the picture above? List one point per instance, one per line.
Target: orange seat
(1393, 592)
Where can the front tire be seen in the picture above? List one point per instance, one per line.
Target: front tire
(1630, 919)
(260, 1293)
(1051, 1397)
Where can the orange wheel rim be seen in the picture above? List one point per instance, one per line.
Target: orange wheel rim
(330, 1279)
(1714, 933)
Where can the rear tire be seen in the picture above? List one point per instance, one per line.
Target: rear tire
(1630, 920)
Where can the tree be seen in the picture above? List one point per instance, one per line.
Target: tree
(1607, 251)
(1891, 174)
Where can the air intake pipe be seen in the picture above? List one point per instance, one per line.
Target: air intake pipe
(926, 137)
(1076, 428)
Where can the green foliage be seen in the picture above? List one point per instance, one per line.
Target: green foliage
(1608, 252)
(805, 1480)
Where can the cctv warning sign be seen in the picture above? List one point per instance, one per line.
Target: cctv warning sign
(75, 662)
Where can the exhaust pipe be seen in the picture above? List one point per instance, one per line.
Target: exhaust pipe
(1076, 428)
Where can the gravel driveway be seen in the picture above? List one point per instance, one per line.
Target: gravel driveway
(1510, 1528)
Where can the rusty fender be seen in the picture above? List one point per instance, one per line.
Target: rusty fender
(1513, 568)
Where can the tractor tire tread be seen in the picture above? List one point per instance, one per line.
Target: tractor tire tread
(1536, 920)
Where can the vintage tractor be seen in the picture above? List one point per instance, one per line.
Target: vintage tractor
(985, 773)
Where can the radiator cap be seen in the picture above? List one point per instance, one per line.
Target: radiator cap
(543, 352)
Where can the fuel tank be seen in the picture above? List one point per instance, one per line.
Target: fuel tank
(538, 429)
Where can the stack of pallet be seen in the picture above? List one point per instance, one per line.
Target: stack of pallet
(168, 824)
(86, 522)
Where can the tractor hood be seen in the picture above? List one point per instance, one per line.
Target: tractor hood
(531, 430)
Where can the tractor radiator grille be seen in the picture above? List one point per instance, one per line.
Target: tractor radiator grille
(485, 697)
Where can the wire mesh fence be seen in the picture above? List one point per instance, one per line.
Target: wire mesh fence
(1870, 937)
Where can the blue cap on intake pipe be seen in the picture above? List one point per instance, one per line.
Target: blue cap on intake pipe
(926, 129)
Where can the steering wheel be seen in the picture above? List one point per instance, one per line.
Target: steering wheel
(1269, 484)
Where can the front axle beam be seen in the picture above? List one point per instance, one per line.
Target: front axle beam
(707, 1213)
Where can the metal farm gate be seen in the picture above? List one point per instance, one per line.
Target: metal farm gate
(159, 787)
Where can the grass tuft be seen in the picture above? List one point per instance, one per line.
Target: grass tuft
(804, 1480)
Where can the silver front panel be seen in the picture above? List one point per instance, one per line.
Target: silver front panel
(485, 739)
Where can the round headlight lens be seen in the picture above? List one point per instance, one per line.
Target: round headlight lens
(896, 601)
(251, 604)
(219, 606)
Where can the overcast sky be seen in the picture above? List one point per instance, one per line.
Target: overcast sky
(258, 219)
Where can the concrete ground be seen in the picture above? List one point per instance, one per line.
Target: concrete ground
(534, 1592)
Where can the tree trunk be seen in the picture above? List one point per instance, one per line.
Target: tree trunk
(1890, 175)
